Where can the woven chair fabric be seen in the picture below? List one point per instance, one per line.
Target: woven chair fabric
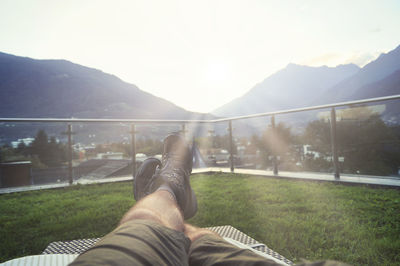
(81, 245)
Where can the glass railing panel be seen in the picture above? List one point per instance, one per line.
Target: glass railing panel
(219, 152)
(101, 150)
(203, 142)
(368, 139)
(150, 137)
(33, 154)
(197, 136)
(367, 143)
(252, 145)
(303, 142)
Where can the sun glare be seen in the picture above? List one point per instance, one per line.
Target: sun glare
(216, 72)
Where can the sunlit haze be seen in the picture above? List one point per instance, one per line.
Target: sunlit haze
(199, 54)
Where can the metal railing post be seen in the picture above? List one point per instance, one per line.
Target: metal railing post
(335, 160)
(133, 147)
(231, 159)
(273, 146)
(70, 173)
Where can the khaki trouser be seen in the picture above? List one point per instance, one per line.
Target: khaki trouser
(142, 242)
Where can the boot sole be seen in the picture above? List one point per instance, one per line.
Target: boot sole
(145, 173)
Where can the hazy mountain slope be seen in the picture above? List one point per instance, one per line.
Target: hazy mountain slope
(384, 87)
(291, 87)
(58, 88)
(355, 88)
(389, 85)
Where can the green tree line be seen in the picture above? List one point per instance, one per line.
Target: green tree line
(366, 146)
(43, 152)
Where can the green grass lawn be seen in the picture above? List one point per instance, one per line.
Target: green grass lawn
(299, 219)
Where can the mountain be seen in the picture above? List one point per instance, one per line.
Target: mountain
(389, 85)
(58, 88)
(298, 86)
(361, 85)
(292, 87)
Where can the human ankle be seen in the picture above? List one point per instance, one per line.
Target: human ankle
(170, 194)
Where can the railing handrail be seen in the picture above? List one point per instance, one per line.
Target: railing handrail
(188, 121)
(103, 120)
(302, 109)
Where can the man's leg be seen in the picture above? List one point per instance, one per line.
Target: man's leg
(159, 207)
(208, 248)
(151, 232)
(194, 233)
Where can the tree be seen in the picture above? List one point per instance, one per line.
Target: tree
(369, 146)
(22, 148)
(56, 153)
(278, 141)
(39, 146)
(317, 134)
(149, 146)
(366, 143)
(48, 152)
(8, 154)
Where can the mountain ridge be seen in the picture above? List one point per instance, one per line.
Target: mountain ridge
(298, 86)
(60, 88)
(314, 79)
(351, 89)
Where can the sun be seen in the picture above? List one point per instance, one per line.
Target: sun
(216, 73)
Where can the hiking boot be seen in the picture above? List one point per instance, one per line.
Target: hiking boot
(177, 161)
(144, 177)
(173, 175)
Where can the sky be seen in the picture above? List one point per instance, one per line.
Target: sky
(199, 54)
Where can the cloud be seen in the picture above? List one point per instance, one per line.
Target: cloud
(361, 59)
(329, 59)
(334, 59)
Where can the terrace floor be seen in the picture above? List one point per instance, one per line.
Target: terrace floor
(344, 178)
